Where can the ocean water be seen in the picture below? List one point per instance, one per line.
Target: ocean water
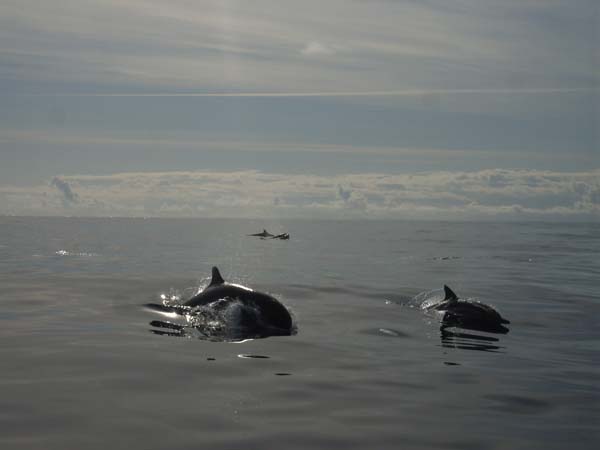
(367, 369)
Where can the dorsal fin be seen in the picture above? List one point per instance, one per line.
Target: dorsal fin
(216, 277)
(449, 295)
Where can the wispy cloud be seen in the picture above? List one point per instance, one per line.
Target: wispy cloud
(316, 48)
(220, 46)
(496, 193)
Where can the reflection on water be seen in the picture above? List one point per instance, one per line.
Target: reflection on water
(386, 332)
(516, 404)
(469, 341)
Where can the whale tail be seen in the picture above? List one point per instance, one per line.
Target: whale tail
(216, 277)
(449, 294)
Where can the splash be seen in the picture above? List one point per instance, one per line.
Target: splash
(428, 299)
(76, 254)
(224, 320)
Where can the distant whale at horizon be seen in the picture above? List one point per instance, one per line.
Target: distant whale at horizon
(469, 314)
(242, 312)
(263, 233)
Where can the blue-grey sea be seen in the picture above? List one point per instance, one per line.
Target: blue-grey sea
(367, 368)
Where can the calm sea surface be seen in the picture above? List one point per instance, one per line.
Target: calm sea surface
(367, 369)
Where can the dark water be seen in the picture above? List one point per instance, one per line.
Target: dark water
(367, 368)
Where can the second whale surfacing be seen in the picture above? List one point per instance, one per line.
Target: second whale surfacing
(227, 311)
(469, 314)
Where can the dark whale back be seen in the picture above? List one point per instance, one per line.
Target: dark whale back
(470, 314)
(269, 312)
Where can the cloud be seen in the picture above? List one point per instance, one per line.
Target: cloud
(315, 48)
(493, 193)
(229, 46)
(68, 196)
(344, 194)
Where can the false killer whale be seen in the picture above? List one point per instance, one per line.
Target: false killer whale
(469, 314)
(239, 312)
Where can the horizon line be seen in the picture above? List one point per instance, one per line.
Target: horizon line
(391, 93)
(566, 219)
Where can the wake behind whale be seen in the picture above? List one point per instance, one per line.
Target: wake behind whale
(224, 312)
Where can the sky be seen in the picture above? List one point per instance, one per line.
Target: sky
(429, 109)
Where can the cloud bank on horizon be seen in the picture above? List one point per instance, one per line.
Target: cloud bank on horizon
(344, 108)
(486, 194)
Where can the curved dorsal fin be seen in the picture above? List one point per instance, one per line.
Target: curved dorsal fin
(216, 277)
(449, 295)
